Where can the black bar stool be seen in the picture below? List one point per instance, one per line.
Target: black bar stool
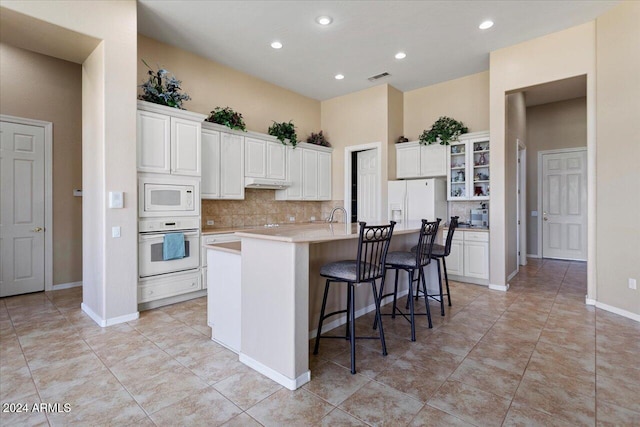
(410, 262)
(438, 253)
(373, 245)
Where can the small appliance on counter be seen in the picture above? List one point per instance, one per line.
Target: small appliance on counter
(480, 217)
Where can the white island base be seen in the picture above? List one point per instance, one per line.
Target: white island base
(281, 293)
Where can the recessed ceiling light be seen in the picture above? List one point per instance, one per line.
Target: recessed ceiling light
(276, 45)
(339, 77)
(401, 55)
(485, 25)
(324, 20)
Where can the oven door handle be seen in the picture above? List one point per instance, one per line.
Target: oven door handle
(156, 236)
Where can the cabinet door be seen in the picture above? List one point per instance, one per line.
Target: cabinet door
(153, 142)
(255, 158)
(210, 184)
(433, 160)
(276, 155)
(457, 188)
(408, 161)
(231, 166)
(294, 175)
(310, 175)
(476, 259)
(324, 176)
(455, 261)
(185, 147)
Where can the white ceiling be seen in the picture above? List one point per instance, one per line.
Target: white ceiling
(441, 38)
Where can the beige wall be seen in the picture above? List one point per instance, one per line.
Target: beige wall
(395, 128)
(40, 87)
(354, 119)
(560, 55)
(110, 271)
(516, 122)
(465, 99)
(550, 127)
(618, 183)
(213, 85)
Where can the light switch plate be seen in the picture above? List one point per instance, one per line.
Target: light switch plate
(116, 199)
(115, 232)
(534, 213)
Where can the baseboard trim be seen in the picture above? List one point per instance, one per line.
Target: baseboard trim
(533, 256)
(103, 323)
(341, 320)
(66, 286)
(291, 384)
(589, 301)
(618, 311)
(503, 288)
(512, 275)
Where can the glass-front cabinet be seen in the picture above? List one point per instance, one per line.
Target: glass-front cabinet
(468, 173)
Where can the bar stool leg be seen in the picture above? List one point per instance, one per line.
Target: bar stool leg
(352, 330)
(446, 279)
(347, 334)
(324, 304)
(375, 321)
(395, 295)
(426, 300)
(411, 314)
(379, 318)
(440, 287)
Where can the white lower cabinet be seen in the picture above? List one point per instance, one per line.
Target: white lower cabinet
(469, 257)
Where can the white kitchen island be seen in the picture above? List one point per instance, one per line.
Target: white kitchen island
(281, 292)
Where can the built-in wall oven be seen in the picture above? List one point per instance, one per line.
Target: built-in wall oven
(168, 196)
(152, 232)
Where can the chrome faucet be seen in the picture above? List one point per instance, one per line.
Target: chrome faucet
(337, 208)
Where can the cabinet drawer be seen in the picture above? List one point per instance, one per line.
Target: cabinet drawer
(476, 236)
(152, 290)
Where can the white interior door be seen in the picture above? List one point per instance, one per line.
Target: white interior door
(564, 205)
(368, 181)
(22, 213)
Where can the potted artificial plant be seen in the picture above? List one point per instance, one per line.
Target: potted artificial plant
(163, 88)
(227, 117)
(444, 129)
(284, 131)
(318, 139)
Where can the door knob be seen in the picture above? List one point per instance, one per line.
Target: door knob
(38, 230)
(545, 218)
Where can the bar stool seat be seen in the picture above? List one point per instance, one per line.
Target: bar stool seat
(373, 245)
(411, 262)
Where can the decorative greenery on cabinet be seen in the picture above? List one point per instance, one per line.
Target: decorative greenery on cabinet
(163, 89)
(318, 139)
(444, 129)
(284, 131)
(228, 117)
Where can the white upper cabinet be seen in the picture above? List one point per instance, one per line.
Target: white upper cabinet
(168, 140)
(309, 170)
(264, 159)
(222, 164)
(468, 167)
(420, 161)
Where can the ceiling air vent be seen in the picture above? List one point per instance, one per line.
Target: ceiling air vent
(378, 76)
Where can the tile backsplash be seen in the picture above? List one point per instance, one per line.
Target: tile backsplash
(260, 207)
(463, 209)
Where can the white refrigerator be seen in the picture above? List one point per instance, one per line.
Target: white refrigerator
(417, 199)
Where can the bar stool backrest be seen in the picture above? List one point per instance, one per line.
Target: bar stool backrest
(373, 245)
(428, 232)
(453, 224)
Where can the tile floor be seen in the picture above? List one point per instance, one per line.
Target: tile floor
(535, 355)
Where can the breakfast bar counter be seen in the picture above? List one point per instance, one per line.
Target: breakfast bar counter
(281, 291)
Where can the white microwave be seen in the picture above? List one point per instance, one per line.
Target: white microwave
(168, 196)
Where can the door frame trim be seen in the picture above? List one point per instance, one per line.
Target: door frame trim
(348, 150)
(48, 191)
(539, 207)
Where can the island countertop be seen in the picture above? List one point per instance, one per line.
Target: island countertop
(313, 233)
